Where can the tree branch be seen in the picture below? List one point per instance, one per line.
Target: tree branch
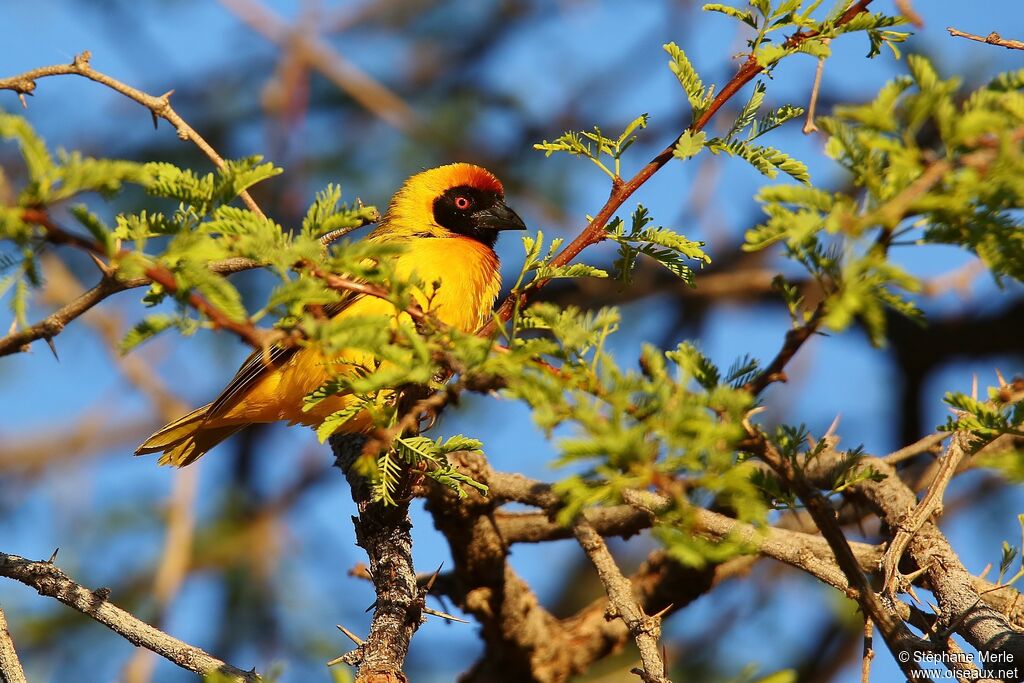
(385, 532)
(10, 665)
(25, 84)
(992, 39)
(314, 51)
(930, 505)
(249, 333)
(897, 636)
(645, 629)
(49, 580)
(622, 190)
(962, 598)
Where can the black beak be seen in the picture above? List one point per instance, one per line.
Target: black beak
(498, 217)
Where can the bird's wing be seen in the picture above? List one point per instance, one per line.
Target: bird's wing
(256, 366)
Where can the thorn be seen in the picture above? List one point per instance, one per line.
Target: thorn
(443, 615)
(831, 431)
(371, 607)
(24, 102)
(351, 636)
(974, 386)
(14, 327)
(166, 97)
(660, 613)
(336, 660)
(103, 267)
(985, 571)
(53, 348)
(913, 576)
(156, 119)
(913, 595)
(430, 582)
(53, 557)
(1002, 380)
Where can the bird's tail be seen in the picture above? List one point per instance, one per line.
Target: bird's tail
(186, 439)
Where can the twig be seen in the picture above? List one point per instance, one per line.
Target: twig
(317, 53)
(795, 338)
(246, 330)
(925, 444)
(868, 652)
(907, 10)
(25, 84)
(930, 505)
(992, 39)
(10, 665)
(344, 284)
(895, 633)
(52, 325)
(623, 189)
(645, 629)
(49, 580)
(812, 104)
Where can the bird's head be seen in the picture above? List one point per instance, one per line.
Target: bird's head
(452, 200)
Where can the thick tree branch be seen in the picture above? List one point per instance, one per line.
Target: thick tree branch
(963, 599)
(385, 532)
(10, 666)
(49, 580)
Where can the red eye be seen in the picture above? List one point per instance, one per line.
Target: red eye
(462, 203)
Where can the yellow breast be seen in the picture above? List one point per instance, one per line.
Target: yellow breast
(469, 282)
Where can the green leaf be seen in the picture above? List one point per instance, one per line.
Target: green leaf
(241, 174)
(336, 420)
(768, 55)
(689, 144)
(768, 160)
(745, 16)
(100, 232)
(146, 329)
(749, 111)
(699, 98)
(41, 167)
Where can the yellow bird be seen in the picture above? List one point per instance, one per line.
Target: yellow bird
(448, 219)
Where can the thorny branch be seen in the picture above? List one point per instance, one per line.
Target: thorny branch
(897, 636)
(385, 533)
(623, 189)
(25, 84)
(109, 284)
(645, 629)
(49, 580)
(10, 666)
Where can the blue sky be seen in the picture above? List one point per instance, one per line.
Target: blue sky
(840, 374)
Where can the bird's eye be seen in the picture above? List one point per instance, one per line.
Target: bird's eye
(462, 202)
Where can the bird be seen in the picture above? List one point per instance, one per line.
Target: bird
(447, 220)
